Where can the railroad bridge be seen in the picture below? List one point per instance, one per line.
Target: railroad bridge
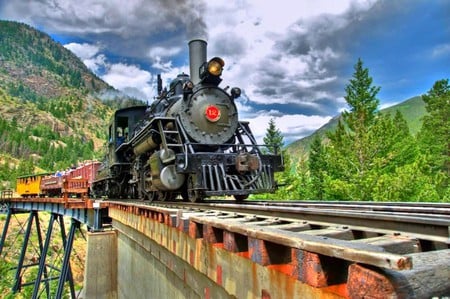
(258, 250)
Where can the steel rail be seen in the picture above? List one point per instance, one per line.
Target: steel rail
(426, 225)
(439, 208)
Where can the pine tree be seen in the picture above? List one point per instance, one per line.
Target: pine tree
(435, 132)
(317, 167)
(274, 143)
(434, 136)
(273, 139)
(352, 148)
(361, 97)
(373, 156)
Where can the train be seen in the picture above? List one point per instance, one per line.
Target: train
(188, 144)
(73, 182)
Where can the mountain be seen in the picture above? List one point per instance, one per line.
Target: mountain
(412, 110)
(41, 82)
(54, 110)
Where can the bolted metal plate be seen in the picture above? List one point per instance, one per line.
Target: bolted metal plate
(210, 116)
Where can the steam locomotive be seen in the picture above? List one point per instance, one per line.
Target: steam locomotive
(188, 142)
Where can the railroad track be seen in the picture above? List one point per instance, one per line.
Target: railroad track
(401, 249)
(427, 221)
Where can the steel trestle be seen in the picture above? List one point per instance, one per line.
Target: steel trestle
(65, 272)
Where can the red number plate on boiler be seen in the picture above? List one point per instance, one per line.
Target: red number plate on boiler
(212, 113)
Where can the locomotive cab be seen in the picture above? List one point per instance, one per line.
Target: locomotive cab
(122, 125)
(111, 178)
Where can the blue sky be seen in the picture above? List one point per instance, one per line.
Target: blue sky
(292, 58)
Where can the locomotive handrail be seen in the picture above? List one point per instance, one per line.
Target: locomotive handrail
(185, 137)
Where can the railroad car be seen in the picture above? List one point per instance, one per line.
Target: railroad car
(30, 185)
(188, 142)
(73, 181)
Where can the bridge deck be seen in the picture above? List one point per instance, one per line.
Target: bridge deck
(227, 248)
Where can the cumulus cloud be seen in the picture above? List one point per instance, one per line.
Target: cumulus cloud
(291, 125)
(130, 79)
(292, 59)
(295, 59)
(90, 55)
(84, 50)
(129, 28)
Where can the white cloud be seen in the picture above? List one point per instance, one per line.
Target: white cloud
(292, 127)
(125, 77)
(163, 51)
(294, 52)
(130, 79)
(89, 54)
(84, 50)
(441, 50)
(262, 66)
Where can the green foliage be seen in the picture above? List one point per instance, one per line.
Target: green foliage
(361, 97)
(6, 275)
(372, 155)
(273, 139)
(51, 113)
(412, 111)
(407, 183)
(317, 165)
(42, 53)
(368, 148)
(50, 150)
(434, 137)
(274, 142)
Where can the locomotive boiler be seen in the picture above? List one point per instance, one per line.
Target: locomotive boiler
(188, 142)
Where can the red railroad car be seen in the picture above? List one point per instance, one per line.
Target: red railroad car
(73, 182)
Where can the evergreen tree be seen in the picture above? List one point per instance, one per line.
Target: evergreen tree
(274, 143)
(435, 133)
(434, 136)
(352, 147)
(317, 167)
(361, 98)
(373, 156)
(273, 139)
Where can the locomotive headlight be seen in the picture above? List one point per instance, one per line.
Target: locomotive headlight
(210, 71)
(215, 66)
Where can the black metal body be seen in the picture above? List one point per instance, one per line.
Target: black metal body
(189, 142)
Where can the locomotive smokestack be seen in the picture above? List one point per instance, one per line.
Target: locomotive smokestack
(197, 56)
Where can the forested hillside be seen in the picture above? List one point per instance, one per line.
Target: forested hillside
(53, 109)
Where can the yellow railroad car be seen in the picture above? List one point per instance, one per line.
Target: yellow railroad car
(29, 185)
